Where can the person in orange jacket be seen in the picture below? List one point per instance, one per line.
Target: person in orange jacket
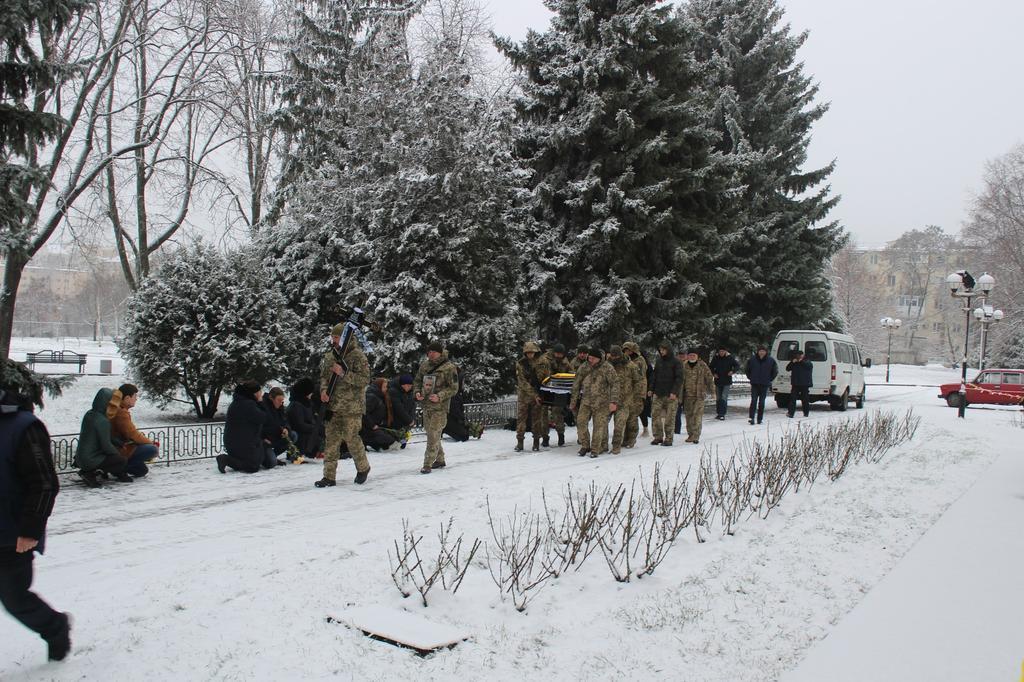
(134, 446)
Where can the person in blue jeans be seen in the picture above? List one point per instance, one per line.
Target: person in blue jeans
(761, 372)
(801, 372)
(135, 446)
(723, 366)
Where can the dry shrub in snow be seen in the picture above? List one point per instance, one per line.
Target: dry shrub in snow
(411, 573)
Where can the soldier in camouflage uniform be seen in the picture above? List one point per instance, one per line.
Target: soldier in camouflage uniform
(580, 360)
(629, 377)
(557, 364)
(347, 406)
(698, 381)
(599, 386)
(636, 401)
(531, 371)
(436, 382)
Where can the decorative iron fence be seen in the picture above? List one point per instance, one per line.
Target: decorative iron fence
(188, 442)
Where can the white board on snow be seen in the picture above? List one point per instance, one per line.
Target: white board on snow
(401, 628)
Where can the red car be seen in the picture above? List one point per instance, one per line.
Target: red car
(991, 387)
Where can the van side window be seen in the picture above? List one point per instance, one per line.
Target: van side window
(843, 353)
(1014, 378)
(855, 355)
(786, 348)
(815, 351)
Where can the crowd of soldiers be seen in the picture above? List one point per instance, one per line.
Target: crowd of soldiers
(612, 387)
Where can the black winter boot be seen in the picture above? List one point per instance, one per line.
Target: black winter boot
(583, 452)
(325, 483)
(59, 645)
(519, 443)
(545, 442)
(361, 476)
(123, 478)
(561, 439)
(90, 479)
(536, 444)
(222, 463)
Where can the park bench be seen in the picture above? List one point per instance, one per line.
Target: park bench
(56, 357)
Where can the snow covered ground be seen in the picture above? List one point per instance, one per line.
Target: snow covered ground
(189, 574)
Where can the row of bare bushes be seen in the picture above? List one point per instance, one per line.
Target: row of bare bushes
(633, 527)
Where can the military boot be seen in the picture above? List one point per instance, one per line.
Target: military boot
(536, 444)
(545, 442)
(561, 439)
(519, 443)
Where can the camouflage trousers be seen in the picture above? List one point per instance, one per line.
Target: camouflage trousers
(600, 416)
(527, 410)
(693, 408)
(619, 418)
(632, 428)
(434, 422)
(550, 414)
(344, 427)
(663, 417)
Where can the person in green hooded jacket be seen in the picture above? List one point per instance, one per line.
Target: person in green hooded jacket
(96, 452)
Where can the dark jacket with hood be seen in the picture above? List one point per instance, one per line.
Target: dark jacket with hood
(376, 408)
(300, 415)
(243, 429)
(403, 405)
(94, 436)
(28, 481)
(667, 378)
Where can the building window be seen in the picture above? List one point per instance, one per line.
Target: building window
(892, 280)
(874, 259)
(905, 301)
(936, 326)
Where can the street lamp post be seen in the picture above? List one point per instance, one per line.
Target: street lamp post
(962, 285)
(890, 325)
(986, 315)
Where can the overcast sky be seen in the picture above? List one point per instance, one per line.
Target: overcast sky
(923, 92)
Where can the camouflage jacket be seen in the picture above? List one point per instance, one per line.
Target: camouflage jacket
(641, 367)
(599, 386)
(698, 380)
(446, 383)
(556, 366)
(629, 381)
(350, 392)
(575, 364)
(530, 375)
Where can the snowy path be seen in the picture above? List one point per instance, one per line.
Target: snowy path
(189, 574)
(952, 609)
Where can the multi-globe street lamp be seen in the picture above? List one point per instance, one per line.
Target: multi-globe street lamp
(986, 315)
(962, 285)
(890, 325)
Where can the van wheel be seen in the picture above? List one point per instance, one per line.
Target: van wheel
(861, 398)
(953, 400)
(782, 400)
(840, 404)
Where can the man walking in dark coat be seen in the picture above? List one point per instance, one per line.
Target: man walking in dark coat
(801, 372)
(28, 490)
(761, 372)
(243, 430)
(723, 365)
(663, 389)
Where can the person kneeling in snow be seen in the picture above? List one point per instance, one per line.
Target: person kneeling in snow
(379, 412)
(243, 430)
(277, 437)
(135, 447)
(96, 451)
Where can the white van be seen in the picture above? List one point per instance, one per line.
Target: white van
(838, 368)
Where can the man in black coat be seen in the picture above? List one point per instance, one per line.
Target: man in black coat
(276, 434)
(723, 365)
(376, 418)
(301, 419)
(663, 389)
(761, 372)
(243, 430)
(403, 403)
(28, 490)
(801, 372)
